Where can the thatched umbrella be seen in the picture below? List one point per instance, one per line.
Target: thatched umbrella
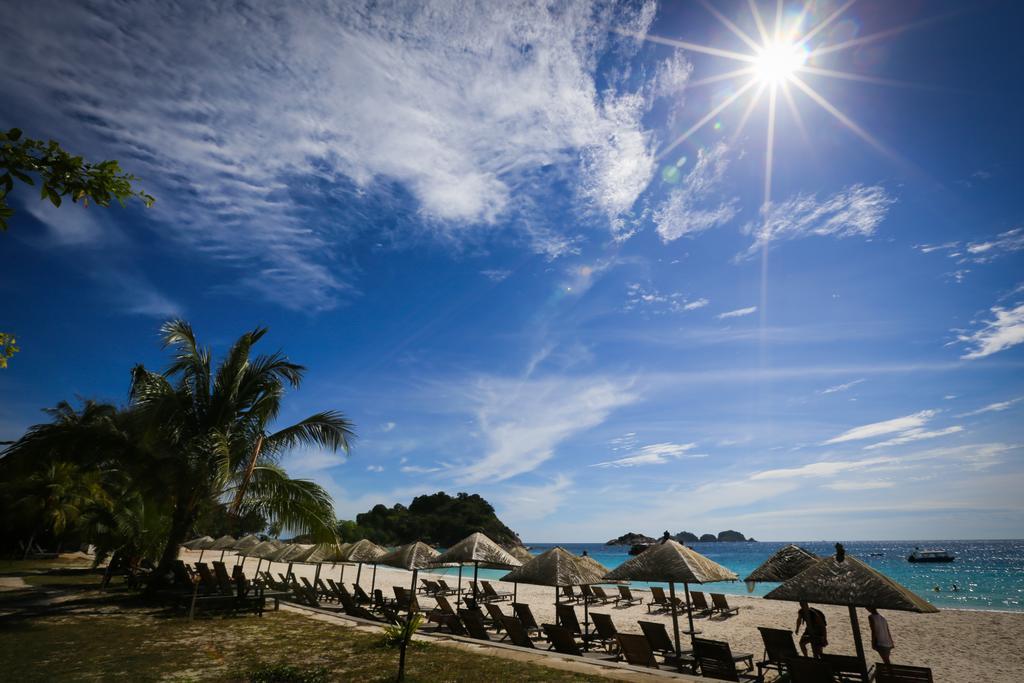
(288, 553)
(412, 557)
(318, 554)
(244, 544)
(478, 549)
(202, 544)
(845, 580)
(223, 544)
(783, 565)
(364, 551)
(520, 553)
(673, 562)
(558, 567)
(263, 551)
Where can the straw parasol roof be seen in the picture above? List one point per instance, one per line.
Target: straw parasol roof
(520, 553)
(288, 552)
(263, 549)
(319, 553)
(201, 543)
(246, 543)
(670, 561)
(415, 555)
(223, 543)
(478, 549)
(558, 567)
(786, 563)
(363, 551)
(845, 580)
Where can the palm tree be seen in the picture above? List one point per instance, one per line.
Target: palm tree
(206, 434)
(56, 496)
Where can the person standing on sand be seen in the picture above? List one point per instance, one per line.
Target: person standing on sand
(881, 638)
(815, 633)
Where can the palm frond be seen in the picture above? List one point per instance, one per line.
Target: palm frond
(329, 429)
(300, 505)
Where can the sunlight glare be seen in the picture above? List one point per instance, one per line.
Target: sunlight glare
(777, 62)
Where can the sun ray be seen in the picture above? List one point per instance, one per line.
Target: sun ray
(875, 37)
(825, 22)
(846, 75)
(721, 77)
(754, 100)
(769, 150)
(672, 42)
(729, 24)
(761, 28)
(795, 111)
(843, 118)
(707, 117)
(778, 20)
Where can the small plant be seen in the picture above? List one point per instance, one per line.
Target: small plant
(282, 672)
(401, 632)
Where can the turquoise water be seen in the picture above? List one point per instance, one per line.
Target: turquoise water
(989, 574)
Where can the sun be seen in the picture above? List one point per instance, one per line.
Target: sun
(778, 62)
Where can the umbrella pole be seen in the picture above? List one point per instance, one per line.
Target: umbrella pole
(857, 642)
(675, 616)
(288, 574)
(558, 621)
(689, 610)
(341, 579)
(373, 581)
(316, 575)
(222, 554)
(586, 622)
(476, 570)
(201, 551)
(458, 600)
(515, 591)
(259, 561)
(359, 572)
(412, 591)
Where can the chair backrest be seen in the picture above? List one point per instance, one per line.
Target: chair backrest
(719, 601)
(516, 633)
(599, 592)
(562, 640)
(209, 582)
(778, 644)
(658, 595)
(698, 600)
(524, 614)
(636, 650)
(657, 636)
(604, 625)
(444, 585)
(567, 617)
(625, 593)
(495, 613)
(901, 673)
(181, 576)
(360, 594)
(567, 592)
(809, 670)
(443, 604)
(474, 624)
(715, 659)
(221, 572)
(586, 591)
(489, 589)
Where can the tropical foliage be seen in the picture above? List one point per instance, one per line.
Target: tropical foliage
(197, 443)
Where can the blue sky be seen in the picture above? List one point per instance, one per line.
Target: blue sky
(480, 229)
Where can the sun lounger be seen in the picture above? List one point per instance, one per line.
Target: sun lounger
(844, 667)
(360, 595)
(337, 590)
(428, 587)
(661, 643)
(516, 632)
(626, 596)
(700, 604)
(779, 648)
(636, 650)
(446, 589)
(809, 670)
(721, 605)
(525, 616)
(658, 600)
(716, 660)
(562, 640)
(587, 593)
(404, 601)
(601, 596)
(474, 624)
(495, 614)
(492, 595)
(354, 609)
(567, 617)
(605, 629)
(897, 673)
(208, 580)
(569, 595)
(321, 588)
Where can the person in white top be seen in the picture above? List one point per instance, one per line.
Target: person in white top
(881, 638)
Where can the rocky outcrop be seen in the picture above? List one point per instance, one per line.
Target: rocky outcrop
(731, 536)
(686, 537)
(709, 538)
(631, 538)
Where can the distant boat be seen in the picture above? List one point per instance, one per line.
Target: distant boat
(875, 554)
(920, 555)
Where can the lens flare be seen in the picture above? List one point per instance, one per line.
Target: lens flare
(777, 62)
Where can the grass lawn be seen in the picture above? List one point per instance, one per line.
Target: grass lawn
(84, 635)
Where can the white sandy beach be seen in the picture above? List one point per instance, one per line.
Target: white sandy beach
(960, 646)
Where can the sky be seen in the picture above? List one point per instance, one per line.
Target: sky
(592, 261)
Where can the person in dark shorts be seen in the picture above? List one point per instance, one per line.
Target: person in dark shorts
(815, 631)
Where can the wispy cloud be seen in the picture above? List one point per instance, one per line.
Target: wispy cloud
(1004, 331)
(856, 211)
(993, 407)
(859, 485)
(654, 454)
(916, 434)
(841, 387)
(639, 297)
(693, 207)
(1005, 243)
(876, 429)
(495, 274)
(738, 313)
(826, 468)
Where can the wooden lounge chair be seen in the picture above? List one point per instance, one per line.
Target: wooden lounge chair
(569, 595)
(661, 643)
(779, 648)
(442, 611)
(658, 600)
(474, 624)
(605, 629)
(446, 589)
(721, 606)
(493, 595)
(209, 581)
(717, 661)
(516, 632)
(636, 650)
(360, 595)
(567, 617)
(844, 667)
(321, 588)
(496, 614)
(700, 604)
(427, 587)
(561, 640)
(405, 601)
(898, 673)
(525, 616)
(601, 596)
(587, 593)
(337, 590)
(809, 670)
(626, 596)
(310, 593)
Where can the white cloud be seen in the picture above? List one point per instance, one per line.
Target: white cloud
(738, 313)
(235, 118)
(870, 431)
(916, 434)
(640, 297)
(1005, 331)
(374, 468)
(420, 469)
(694, 305)
(691, 208)
(841, 387)
(653, 454)
(524, 421)
(71, 224)
(387, 427)
(1005, 243)
(859, 485)
(495, 274)
(857, 210)
(827, 468)
(993, 407)
(536, 501)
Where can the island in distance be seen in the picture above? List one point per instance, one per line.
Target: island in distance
(634, 539)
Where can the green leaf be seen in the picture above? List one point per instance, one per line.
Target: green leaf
(22, 177)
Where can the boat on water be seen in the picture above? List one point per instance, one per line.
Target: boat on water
(922, 555)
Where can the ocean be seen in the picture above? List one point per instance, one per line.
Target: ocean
(988, 574)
